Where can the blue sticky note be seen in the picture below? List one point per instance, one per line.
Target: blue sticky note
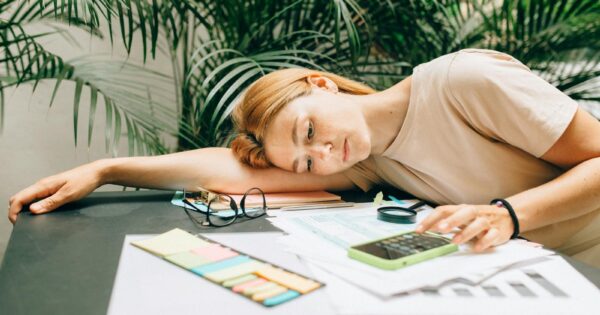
(396, 200)
(202, 270)
(283, 297)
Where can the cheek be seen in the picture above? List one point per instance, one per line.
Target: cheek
(328, 168)
(360, 144)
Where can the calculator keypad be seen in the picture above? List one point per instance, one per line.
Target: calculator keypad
(408, 244)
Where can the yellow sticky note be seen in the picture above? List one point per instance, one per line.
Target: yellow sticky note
(290, 280)
(378, 199)
(260, 288)
(187, 260)
(263, 295)
(169, 243)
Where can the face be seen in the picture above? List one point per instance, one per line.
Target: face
(321, 133)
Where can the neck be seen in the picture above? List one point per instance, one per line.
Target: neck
(384, 113)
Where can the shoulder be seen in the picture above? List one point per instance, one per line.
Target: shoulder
(364, 173)
(476, 67)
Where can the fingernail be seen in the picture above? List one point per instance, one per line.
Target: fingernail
(419, 228)
(35, 207)
(443, 225)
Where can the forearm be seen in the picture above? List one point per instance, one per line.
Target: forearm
(570, 195)
(191, 170)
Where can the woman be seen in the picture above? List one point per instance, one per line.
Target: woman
(464, 129)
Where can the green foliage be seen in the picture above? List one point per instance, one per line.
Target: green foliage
(217, 48)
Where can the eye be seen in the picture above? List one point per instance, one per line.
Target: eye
(309, 163)
(311, 130)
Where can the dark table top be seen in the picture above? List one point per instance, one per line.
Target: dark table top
(65, 262)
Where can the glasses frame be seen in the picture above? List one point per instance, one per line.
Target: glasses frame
(232, 204)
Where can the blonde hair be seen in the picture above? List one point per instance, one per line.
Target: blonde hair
(265, 98)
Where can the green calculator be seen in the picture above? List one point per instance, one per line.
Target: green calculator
(401, 250)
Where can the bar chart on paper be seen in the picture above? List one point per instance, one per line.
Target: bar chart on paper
(548, 285)
(520, 283)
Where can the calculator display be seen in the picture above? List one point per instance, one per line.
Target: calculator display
(402, 245)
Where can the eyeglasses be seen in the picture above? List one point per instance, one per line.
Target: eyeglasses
(215, 217)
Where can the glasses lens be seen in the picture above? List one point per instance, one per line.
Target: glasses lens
(254, 203)
(219, 215)
(189, 207)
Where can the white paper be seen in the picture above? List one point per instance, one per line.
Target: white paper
(582, 297)
(146, 284)
(323, 238)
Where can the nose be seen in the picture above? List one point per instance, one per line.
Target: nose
(321, 150)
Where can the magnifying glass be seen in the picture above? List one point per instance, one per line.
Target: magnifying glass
(397, 214)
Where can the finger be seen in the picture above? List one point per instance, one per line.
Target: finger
(477, 226)
(50, 203)
(13, 210)
(22, 198)
(26, 196)
(488, 240)
(438, 214)
(462, 216)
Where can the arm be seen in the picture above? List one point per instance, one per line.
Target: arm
(575, 194)
(214, 169)
(209, 168)
(571, 196)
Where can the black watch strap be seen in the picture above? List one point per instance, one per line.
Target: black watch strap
(512, 214)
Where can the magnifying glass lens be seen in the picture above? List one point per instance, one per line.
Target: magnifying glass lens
(399, 213)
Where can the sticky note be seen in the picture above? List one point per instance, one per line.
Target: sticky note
(202, 270)
(172, 242)
(214, 252)
(239, 280)
(378, 199)
(268, 293)
(234, 271)
(290, 280)
(241, 287)
(260, 288)
(187, 260)
(290, 294)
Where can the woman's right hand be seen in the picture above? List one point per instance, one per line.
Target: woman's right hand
(56, 190)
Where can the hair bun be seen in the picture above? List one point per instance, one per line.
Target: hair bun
(249, 150)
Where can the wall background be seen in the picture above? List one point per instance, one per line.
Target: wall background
(38, 141)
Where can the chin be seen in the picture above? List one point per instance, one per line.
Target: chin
(363, 155)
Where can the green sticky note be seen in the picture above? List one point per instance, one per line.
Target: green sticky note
(169, 243)
(238, 280)
(187, 260)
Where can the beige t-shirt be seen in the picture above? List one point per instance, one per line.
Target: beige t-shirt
(477, 124)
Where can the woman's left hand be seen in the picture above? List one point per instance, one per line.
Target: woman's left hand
(488, 224)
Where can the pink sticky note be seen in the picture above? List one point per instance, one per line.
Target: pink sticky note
(252, 283)
(214, 252)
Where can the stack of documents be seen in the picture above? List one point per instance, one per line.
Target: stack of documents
(283, 201)
(323, 237)
(515, 277)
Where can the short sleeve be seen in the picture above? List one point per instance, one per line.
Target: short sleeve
(502, 99)
(364, 174)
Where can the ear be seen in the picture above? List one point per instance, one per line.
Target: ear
(321, 82)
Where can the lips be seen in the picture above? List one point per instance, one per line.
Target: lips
(346, 150)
